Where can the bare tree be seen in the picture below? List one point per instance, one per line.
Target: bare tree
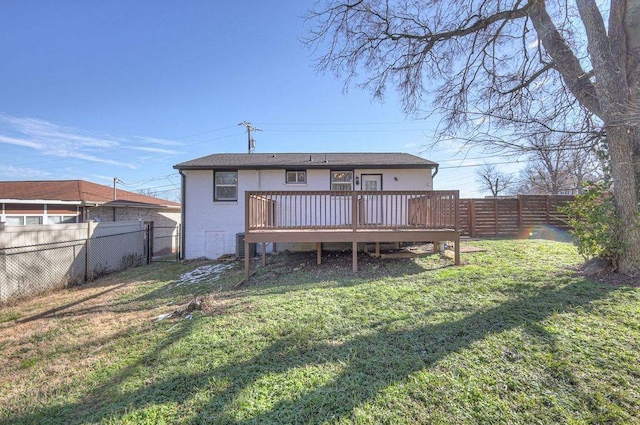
(513, 67)
(491, 179)
(169, 195)
(553, 169)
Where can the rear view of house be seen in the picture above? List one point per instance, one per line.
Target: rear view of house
(214, 188)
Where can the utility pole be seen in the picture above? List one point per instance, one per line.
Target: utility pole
(115, 180)
(251, 143)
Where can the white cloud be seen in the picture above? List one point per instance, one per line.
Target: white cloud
(21, 142)
(55, 140)
(156, 141)
(155, 150)
(23, 173)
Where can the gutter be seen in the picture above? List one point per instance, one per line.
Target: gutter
(435, 172)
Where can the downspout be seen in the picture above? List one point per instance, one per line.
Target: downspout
(433, 175)
(183, 193)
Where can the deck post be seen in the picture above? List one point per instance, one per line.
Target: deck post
(355, 256)
(377, 249)
(319, 253)
(354, 218)
(456, 226)
(246, 233)
(246, 259)
(264, 253)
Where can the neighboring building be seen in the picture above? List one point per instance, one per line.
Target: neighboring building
(77, 201)
(213, 187)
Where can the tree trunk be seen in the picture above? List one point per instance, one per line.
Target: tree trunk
(626, 197)
(608, 50)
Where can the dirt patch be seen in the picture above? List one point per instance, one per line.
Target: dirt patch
(603, 271)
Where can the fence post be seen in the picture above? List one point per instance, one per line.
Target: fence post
(91, 225)
(148, 235)
(495, 215)
(3, 263)
(548, 210)
(520, 231)
(86, 252)
(472, 218)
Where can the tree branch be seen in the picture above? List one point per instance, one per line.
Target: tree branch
(576, 78)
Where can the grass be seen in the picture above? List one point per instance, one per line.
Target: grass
(514, 335)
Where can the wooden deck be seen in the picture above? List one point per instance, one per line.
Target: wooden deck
(358, 216)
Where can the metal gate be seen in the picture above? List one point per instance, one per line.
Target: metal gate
(162, 243)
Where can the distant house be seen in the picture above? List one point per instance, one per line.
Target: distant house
(214, 189)
(77, 201)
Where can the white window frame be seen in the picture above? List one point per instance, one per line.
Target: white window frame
(64, 219)
(216, 198)
(299, 177)
(341, 182)
(23, 219)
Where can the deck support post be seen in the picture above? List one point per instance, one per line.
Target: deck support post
(377, 249)
(355, 256)
(264, 253)
(319, 253)
(246, 234)
(246, 259)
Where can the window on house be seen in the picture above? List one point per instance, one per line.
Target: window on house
(58, 219)
(22, 220)
(342, 180)
(14, 220)
(296, 177)
(226, 186)
(33, 220)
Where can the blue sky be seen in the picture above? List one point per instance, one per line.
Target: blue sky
(101, 89)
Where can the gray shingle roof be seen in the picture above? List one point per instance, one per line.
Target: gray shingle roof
(306, 161)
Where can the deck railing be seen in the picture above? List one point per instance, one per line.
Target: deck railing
(320, 210)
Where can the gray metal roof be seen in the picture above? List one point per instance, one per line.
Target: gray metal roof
(305, 161)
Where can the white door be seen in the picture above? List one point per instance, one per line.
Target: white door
(371, 182)
(372, 205)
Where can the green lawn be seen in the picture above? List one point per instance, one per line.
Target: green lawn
(513, 335)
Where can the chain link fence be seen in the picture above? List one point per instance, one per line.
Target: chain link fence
(27, 270)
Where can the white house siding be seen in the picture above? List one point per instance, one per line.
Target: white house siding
(211, 227)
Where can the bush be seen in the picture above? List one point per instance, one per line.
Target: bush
(595, 226)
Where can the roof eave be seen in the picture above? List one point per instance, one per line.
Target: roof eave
(310, 166)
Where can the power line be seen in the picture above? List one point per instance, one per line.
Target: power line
(517, 161)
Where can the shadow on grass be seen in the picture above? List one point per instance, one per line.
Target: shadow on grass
(60, 310)
(369, 364)
(144, 277)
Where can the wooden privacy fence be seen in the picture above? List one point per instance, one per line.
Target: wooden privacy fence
(509, 217)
